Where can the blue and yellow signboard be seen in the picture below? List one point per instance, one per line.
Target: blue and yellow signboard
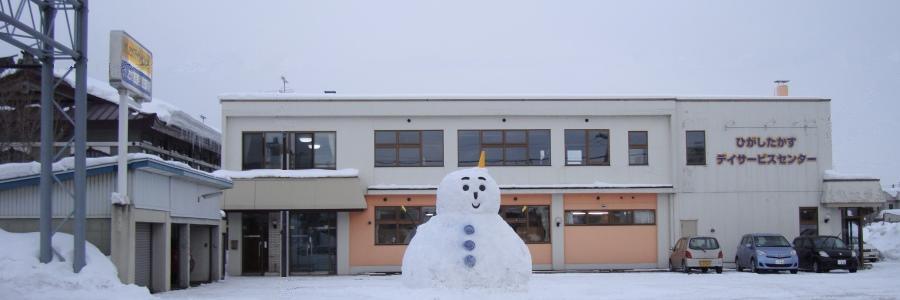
(130, 65)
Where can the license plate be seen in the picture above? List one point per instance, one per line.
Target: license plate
(779, 261)
(842, 261)
(705, 263)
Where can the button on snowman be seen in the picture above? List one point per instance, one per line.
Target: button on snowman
(466, 244)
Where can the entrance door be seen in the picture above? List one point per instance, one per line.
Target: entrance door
(143, 254)
(313, 243)
(254, 249)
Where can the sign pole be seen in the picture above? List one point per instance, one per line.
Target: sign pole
(122, 143)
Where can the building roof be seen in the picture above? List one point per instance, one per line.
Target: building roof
(269, 96)
(13, 175)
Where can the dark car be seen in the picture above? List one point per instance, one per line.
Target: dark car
(824, 253)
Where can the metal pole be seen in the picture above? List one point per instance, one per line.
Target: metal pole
(48, 14)
(80, 134)
(122, 179)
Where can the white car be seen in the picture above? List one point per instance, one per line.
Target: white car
(698, 252)
(870, 254)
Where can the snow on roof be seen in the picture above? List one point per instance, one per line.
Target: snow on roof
(893, 191)
(16, 170)
(835, 175)
(427, 97)
(595, 185)
(269, 173)
(165, 111)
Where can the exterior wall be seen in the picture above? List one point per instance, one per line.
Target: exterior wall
(24, 202)
(611, 245)
(364, 254)
(96, 229)
(235, 238)
(182, 198)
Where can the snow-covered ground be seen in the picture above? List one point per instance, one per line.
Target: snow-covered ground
(877, 283)
(22, 276)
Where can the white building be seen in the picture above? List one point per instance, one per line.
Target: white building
(589, 182)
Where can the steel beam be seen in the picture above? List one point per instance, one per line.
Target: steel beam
(48, 14)
(38, 35)
(81, 14)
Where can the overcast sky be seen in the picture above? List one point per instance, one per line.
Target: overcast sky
(844, 50)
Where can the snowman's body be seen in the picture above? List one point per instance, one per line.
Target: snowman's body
(467, 244)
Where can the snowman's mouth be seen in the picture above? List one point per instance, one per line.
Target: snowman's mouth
(476, 206)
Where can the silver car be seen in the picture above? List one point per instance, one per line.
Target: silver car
(697, 252)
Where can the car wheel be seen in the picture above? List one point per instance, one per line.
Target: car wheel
(704, 270)
(794, 271)
(685, 268)
(853, 270)
(817, 268)
(718, 270)
(737, 265)
(753, 267)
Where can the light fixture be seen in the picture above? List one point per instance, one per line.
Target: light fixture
(305, 139)
(578, 213)
(429, 214)
(316, 146)
(598, 213)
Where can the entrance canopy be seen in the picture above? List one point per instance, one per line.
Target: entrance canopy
(334, 193)
(844, 190)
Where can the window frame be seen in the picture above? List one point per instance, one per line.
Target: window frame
(646, 147)
(687, 147)
(397, 221)
(549, 228)
(586, 160)
(610, 211)
(503, 146)
(287, 149)
(397, 146)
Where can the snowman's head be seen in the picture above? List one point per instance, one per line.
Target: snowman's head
(468, 191)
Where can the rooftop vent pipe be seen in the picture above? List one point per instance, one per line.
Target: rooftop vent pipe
(781, 87)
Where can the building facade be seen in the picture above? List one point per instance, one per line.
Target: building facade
(588, 182)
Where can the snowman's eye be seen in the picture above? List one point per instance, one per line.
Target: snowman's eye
(465, 187)
(481, 188)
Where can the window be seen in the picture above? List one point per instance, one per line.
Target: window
(531, 223)
(637, 148)
(695, 141)
(395, 225)
(703, 243)
(809, 221)
(504, 147)
(587, 147)
(289, 150)
(420, 148)
(611, 217)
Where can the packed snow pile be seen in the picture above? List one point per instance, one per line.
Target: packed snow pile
(835, 175)
(14, 170)
(264, 173)
(22, 276)
(466, 244)
(885, 237)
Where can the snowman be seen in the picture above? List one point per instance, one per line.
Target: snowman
(466, 244)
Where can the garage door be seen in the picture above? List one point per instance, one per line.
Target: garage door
(142, 254)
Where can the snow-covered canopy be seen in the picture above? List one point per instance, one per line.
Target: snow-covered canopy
(268, 173)
(835, 175)
(16, 170)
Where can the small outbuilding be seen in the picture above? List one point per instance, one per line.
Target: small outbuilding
(170, 234)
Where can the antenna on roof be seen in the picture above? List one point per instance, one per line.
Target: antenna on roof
(284, 83)
(203, 118)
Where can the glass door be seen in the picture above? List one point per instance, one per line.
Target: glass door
(313, 243)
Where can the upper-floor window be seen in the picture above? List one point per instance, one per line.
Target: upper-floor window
(289, 150)
(611, 217)
(505, 147)
(638, 154)
(530, 222)
(409, 148)
(587, 147)
(695, 141)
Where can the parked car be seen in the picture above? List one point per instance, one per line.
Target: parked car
(765, 252)
(699, 252)
(869, 254)
(824, 253)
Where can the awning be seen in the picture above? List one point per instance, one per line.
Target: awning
(331, 193)
(852, 193)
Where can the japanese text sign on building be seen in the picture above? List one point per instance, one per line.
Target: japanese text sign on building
(764, 158)
(130, 65)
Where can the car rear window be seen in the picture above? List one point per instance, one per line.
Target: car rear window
(771, 241)
(830, 243)
(703, 244)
